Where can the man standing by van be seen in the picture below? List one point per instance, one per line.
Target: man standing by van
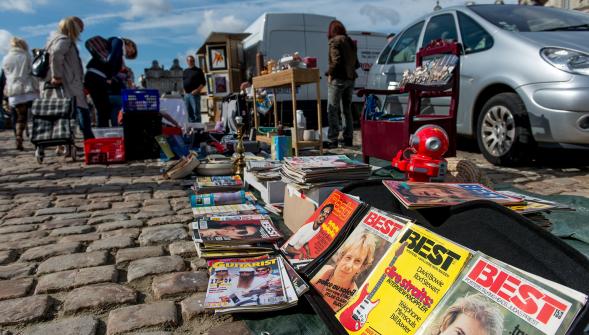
(194, 81)
(343, 62)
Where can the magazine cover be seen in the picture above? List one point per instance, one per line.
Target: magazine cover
(225, 209)
(210, 184)
(298, 283)
(316, 162)
(235, 229)
(491, 298)
(320, 230)
(218, 198)
(245, 283)
(534, 204)
(406, 284)
(417, 194)
(347, 269)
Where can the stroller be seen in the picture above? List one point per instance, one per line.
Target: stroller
(53, 124)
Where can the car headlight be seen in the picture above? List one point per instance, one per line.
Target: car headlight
(567, 60)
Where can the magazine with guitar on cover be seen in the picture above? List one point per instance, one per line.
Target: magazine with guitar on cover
(349, 266)
(405, 286)
(249, 284)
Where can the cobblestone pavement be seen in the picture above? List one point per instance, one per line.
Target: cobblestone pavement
(106, 250)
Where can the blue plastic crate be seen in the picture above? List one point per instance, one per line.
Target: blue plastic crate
(141, 100)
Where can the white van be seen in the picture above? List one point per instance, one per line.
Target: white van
(275, 35)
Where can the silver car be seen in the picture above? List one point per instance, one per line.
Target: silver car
(524, 75)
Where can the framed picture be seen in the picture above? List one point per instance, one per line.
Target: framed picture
(221, 84)
(202, 62)
(217, 57)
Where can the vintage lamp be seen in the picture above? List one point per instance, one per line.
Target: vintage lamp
(423, 159)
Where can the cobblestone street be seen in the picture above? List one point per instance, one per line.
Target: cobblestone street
(106, 250)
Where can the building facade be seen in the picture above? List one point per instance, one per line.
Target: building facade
(580, 5)
(166, 81)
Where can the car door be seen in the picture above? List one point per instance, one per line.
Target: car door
(475, 40)
(376, 75)
(401, 58)
(442, 26)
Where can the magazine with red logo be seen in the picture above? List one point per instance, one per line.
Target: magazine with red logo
(320, 230)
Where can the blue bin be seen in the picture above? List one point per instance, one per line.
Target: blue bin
(141, 100)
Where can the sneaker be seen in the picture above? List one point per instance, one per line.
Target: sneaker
(348, 142)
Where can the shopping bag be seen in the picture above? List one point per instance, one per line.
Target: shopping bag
(52, 118)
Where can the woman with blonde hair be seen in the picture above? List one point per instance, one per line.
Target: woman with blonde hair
(354, 257)
(472, 314)
(65, 70)
(21, 86)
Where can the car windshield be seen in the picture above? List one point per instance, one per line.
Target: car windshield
(532, 18)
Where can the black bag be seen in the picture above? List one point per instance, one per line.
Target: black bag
(41, 64)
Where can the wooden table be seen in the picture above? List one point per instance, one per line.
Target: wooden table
(292, 78)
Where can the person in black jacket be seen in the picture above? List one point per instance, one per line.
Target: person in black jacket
(106, 63)
(194, 81)
(343, 62)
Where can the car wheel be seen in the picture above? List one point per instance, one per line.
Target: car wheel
(503, 130)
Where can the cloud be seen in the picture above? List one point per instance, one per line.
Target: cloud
(25, 6)
(212, 21)
(378, 14)
(170, 21)
(5, 37)
(142, 8)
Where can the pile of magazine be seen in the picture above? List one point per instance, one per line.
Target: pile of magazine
(252, 285)
(264, 170)
(421, 195)
(229, 222)
(310, 171)
(373, 272)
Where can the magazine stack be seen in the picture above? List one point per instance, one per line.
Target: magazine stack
(265, 170)
(229, 223)
(234, 235)
(252, 285)
(311, 171)
(373, 272)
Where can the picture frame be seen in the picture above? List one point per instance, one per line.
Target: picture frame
(217, 57)
(221, 84)
(202, 62)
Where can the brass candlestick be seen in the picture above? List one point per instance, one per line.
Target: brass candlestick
(239, 163)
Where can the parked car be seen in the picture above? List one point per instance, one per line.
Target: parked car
(524, 75)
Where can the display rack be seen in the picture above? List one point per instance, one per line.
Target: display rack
(384, 138)
(291, 78)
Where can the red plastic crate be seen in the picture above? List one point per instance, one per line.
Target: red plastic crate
(104, 150)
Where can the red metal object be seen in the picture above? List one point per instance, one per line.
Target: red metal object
(104, 150)
(169, 131)
(383, 139)
(423, 160)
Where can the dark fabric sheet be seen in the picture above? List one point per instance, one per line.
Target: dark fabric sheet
(479, 225)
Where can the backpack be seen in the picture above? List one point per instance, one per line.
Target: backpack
(41, 62)
(98, 47)
(40, 65)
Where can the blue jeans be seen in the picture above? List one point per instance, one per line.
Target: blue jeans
(339, 100)
(192, 107)
(116, 103)
(85, 123)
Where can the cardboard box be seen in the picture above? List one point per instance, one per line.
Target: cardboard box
(297, 208)
(272, 192)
